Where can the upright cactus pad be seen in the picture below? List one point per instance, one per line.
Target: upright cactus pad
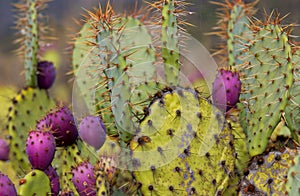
(233, 28)
(267, 79)
(35, 183)
(178, 149)
(30, 36)
(28, 107)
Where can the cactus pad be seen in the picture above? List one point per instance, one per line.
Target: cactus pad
(28, 107)
(239, 140)
(267, 80)
(35, 183)
(293, 182)
(178, 149)
(268, 173)
(292, 110)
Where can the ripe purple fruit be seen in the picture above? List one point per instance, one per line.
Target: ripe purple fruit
(84, 179)
(4, 150)
(45, 75)
(7, 188)
(226, 89)
(92, 131)
(54, 180)
(40, 149)
(61, 123)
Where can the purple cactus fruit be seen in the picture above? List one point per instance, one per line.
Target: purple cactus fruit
(61, 123)
(226, 89)
(84, 179)
(45, 75)
(92, 131)
(40, 149)
(4, 150)
(54, 180)
(7, 188)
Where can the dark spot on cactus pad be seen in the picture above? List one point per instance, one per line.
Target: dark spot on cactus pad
(150, 187)
(260, 161)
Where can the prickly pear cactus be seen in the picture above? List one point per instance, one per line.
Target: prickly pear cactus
(35, 183)
(268, 173)
(292, 110)
(27, 108)
(267, 81)
(293, 178)
(233, 28)
(174, 153)
(239, 140)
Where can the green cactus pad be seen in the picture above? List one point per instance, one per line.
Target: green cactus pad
(178, 149)
(29, 106)
(35, 183)
(268, 173)
(292, 110)
(101, 186)
(238, 32)
(239, 141)
(293, 182)
(169, 38)
(6, 94)
(70, 157)
(233, 28)
(32, 32)
(267, 78)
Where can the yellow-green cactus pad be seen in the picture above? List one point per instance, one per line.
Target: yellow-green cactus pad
(182, 147)
(29, 106)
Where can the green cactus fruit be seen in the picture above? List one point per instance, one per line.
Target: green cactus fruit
(267, 173)
(233, 28)
(239, 140)
(35, 183)
(267, 79)
(27, 108)
(293, 178)
(182, 147)
(292, 110)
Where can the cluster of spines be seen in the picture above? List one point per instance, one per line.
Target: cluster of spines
(233, 28)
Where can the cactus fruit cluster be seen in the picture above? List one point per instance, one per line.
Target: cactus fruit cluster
(138, 126)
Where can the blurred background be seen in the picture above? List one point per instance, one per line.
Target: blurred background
(63, 13)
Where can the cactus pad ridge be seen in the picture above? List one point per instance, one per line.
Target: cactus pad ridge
(239, 140)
